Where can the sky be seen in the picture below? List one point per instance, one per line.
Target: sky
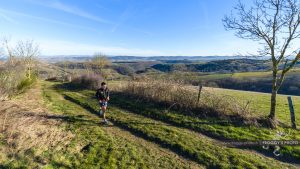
(124, 27)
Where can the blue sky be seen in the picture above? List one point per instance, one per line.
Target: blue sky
(123, 27)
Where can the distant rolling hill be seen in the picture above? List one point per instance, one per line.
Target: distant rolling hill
(229, 65)
(79, 58)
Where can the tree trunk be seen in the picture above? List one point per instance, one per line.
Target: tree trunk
(273, 104)
(272, 115)
(29, 72)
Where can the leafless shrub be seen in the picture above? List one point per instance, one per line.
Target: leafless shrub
(183, 97)
(89, 81)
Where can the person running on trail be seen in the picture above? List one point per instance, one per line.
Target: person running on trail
(102, 96)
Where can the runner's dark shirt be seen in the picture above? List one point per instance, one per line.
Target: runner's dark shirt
(102, 94)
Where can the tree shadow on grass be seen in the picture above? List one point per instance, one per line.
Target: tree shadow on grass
(68, 87)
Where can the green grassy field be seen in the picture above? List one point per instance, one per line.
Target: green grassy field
(214, 76)
(260, 102)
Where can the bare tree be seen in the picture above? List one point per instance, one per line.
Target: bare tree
(28, 51)
(9, 50)
(100, 60)
(1, 50)
(275, 25)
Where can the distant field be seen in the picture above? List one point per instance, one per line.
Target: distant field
(261, 74)
(205, 76)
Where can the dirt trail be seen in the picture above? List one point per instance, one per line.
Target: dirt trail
(157, 152)
(23, 125)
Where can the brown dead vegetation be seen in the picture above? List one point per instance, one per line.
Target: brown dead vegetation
(176, 95)
(25, 125)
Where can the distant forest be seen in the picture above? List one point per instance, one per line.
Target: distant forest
(221, 66)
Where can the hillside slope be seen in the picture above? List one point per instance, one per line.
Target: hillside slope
(52, 126)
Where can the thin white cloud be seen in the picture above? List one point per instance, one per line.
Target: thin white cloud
(58, 5)
(8, 19)
(9, 12)
(57, 47)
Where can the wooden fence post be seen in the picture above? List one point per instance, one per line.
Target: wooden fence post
(199, 93)
(292, 111)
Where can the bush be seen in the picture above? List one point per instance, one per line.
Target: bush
(89, 81)
(25, 84)
(11, 83)
(185, 98)
(10, 77)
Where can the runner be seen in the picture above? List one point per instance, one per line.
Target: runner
(102, 96)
